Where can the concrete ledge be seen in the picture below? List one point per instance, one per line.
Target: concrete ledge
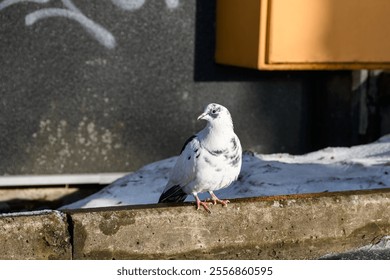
(35, 235)
(281, 227)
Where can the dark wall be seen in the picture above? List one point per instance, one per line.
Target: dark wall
(104, 86)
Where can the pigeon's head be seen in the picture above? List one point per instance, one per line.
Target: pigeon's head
(215, 113)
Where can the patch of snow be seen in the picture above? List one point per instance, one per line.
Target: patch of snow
(327, 170)
(378, 251)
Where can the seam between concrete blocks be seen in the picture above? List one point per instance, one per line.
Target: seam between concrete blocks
(70, 228)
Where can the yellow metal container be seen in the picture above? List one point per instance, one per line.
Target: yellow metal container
(303, 34)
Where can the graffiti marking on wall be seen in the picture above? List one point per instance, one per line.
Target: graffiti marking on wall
(98, 32)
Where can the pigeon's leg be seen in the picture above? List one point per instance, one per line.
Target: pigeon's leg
(199, 203)
(216, 200)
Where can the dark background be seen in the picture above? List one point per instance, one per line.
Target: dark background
(70, 104)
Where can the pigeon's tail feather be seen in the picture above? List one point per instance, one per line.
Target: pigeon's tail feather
(173, 194)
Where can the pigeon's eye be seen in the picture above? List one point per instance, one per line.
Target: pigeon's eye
(213, 111)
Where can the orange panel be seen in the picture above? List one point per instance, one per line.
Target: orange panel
(329, 31)
(237, 26)
(303, 34)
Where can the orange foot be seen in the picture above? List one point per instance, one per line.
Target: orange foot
(216, 200)
(205, 204)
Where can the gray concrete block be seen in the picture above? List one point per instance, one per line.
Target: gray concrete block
(34, 235)
(282, 227)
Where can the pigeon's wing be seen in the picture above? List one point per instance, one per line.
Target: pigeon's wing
(183, 172)
(184, 169)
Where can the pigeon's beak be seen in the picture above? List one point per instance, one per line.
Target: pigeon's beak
(202, 117)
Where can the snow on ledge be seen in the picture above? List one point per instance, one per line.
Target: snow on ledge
(328, 170)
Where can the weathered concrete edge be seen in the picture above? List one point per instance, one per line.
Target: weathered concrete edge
(35, 235)
(304, 226)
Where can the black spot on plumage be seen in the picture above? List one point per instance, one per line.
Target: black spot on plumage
(218, 152)
(196, 153)
(208, 161)
(234, 143)
(188, 141)
(228, 156)
(235, 160)
(174, 194)
(189, 158)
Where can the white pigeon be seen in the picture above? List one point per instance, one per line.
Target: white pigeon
(209, 160)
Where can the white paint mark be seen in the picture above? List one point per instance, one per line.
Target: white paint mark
(359, 78)
(185, 95)
(7, 3)
(97, 31)
(107, 138)
(92, 133)
(102, 35)
(128, 5)
(172, 4)
(69, 4)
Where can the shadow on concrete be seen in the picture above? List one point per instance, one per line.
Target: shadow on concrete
(205, 68)
(24, 204)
